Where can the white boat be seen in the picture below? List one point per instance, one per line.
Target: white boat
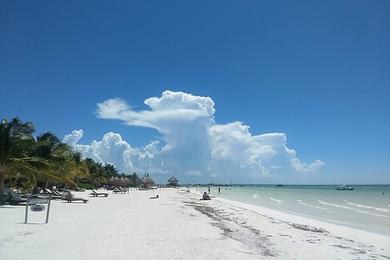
(344, 187)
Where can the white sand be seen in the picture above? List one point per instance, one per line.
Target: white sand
(176, 226)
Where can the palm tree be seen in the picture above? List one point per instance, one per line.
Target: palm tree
(80, 168)
(16, 143)
(134, 179)
(72, 169)
(97, 174)
(65, 164)
(111, 170)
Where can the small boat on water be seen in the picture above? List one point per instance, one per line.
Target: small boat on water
(344, 187)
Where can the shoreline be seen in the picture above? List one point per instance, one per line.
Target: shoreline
(366, 209)
(177, 225)
(381, 240)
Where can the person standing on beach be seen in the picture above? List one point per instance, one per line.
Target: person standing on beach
(219, 190)
(209, 189)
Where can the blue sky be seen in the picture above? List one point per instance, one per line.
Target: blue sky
(317, 71)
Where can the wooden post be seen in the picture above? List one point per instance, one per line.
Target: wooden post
(48, 210)
(25, 218)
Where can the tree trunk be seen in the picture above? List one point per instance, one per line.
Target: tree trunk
(2, 180)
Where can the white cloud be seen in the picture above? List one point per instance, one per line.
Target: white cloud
(74, 137)
(171, 109)
(110, 149)
(193, 146)
(307, 168)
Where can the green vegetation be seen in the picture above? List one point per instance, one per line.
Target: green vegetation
(27, 162)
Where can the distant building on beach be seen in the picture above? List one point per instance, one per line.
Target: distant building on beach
(173, 182)
(146, 182)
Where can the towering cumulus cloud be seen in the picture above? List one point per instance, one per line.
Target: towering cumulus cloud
(194, 147)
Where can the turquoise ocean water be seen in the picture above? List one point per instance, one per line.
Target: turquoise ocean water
(367, 207)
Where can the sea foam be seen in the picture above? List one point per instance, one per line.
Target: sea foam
(276, 200)
(310, 205)
(356, 210)
(366, 206)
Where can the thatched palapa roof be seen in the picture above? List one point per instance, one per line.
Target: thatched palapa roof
(146, 181)
(173, 181)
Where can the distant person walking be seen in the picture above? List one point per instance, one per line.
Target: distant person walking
(219, 190)
(209, 189)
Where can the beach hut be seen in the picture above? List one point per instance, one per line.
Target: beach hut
(146, 182)
(173, 182)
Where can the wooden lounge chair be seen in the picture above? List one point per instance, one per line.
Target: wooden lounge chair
(57, 193)
(116, 190)
(13, 198)
(94, 193)
(52, 194)
(70, 198)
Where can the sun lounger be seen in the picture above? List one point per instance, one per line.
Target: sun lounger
(116, 190)
(70, 198)
(57, 193)
(13, 198)
(96, 194)
(50, 193)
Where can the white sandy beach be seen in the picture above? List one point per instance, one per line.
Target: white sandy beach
(177, 225)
